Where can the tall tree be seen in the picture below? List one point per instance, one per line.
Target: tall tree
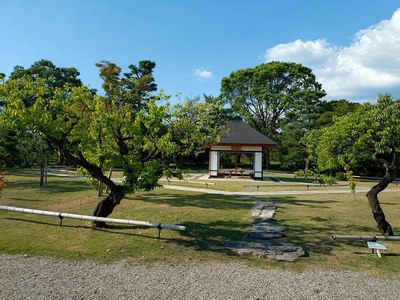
(335, 108)
(372, 131)
(266, 94)
(125, 127)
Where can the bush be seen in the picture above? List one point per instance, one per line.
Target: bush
(340, 176)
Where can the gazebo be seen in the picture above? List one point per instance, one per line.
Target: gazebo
(239, 152)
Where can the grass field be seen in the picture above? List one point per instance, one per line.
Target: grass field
(211, 220)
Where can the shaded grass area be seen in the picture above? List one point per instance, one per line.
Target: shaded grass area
(211, 220)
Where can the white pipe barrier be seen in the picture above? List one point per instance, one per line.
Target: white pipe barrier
(366, 237)
(62, 215)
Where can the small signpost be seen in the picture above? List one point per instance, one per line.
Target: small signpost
(376, 247)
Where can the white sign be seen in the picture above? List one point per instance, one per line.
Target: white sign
(376, 245)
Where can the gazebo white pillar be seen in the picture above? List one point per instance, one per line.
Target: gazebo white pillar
(258, 166)
(214, 162)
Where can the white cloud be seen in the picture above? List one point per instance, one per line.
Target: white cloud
(368, 66)
(203, 74)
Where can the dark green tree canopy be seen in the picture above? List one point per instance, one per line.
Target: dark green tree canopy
(263, 95)
(335, 108)
(54, 77)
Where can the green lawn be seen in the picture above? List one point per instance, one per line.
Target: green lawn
(211, 220)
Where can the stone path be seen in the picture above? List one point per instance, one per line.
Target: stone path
(266, 238)
(263, 239)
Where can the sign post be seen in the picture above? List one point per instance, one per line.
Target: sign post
(377, 247)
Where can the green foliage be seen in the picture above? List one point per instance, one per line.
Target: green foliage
(126, 127)
(340, 176)
(317, 177)
(264, 95)
(54, 77)
(371, 131)
(350, 178)
(19, 146)
(290, 151)
(329, 110)
(357, 137)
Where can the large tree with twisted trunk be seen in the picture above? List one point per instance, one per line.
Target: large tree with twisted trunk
(372, 131)
(126, 127)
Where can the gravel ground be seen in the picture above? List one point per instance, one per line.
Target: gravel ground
(44, 278)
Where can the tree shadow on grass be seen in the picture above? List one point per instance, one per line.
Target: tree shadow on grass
(211, 236)
(24, 199)
(51, 187)
(197, 200)
(288, 200)
(316, 237)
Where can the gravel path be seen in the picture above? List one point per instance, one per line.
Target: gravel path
(44, 278)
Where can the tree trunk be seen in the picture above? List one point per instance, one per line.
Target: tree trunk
(107, 205)
(383, 225)
(42, 166)
(117, 192)
(391, 173)
(307, 165)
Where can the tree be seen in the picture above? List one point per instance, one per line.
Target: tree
(125, 127)
(53, 76)
(334, 108)
(18, 147)
(22, 147)
(327, 112)
(372, 131)
(268, 93)
(291, 153)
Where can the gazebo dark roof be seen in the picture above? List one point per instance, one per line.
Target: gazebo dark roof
(238, 132)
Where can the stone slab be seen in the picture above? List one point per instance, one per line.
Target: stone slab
(263, 208)
(277, 250)
(264, 214)
(265, 235)
(266, 226)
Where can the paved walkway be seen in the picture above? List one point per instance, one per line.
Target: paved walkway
(266, 193)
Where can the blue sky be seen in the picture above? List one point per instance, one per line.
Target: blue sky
(352, 46)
